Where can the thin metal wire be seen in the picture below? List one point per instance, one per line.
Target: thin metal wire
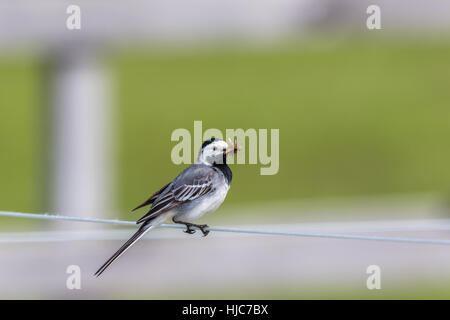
(234, 230)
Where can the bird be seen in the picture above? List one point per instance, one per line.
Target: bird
(199, 189)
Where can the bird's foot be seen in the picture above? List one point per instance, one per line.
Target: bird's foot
(189, 229)
(203, 229)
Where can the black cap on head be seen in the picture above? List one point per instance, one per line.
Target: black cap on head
(207, 142)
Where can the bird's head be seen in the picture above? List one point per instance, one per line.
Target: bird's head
(215, 151)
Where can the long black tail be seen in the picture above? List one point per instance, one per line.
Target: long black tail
(142, 230)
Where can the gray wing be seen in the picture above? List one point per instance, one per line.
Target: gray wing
(152, 198)
(191, 184)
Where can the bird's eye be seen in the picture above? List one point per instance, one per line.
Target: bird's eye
(214, 149)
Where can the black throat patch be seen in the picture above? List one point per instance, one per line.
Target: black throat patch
(225, 169)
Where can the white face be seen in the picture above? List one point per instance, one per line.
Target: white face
(213, 152)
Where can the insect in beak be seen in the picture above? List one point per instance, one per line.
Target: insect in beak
(232, 147)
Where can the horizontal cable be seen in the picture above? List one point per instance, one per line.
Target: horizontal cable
(390, 226)
(233, 230)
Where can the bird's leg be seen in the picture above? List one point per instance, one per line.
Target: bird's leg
(190, 225)
(189, 228)
(202, 228)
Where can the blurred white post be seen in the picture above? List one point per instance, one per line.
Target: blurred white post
(79, 93)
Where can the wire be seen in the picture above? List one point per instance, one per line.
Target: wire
(234, 230)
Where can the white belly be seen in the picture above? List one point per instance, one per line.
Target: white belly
(203, 206)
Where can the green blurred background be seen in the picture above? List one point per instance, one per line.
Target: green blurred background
(356, 118)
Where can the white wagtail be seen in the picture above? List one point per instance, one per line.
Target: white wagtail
(197, 190)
